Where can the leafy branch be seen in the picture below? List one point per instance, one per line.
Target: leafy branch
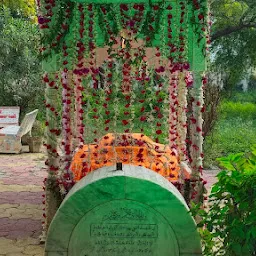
(231, 29)
(232, 17)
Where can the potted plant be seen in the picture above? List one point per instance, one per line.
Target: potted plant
(36, 140)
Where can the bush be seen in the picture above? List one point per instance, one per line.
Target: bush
(228, 227)
(231, 110)
(242, 97)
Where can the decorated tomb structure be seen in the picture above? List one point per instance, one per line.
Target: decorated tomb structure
(117, 72)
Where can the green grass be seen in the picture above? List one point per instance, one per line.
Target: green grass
(235, 131)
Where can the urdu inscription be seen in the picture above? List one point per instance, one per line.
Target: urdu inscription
(124, 230)
(124, 238)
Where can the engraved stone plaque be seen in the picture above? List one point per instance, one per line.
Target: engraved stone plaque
(123, 227)
(128, 212)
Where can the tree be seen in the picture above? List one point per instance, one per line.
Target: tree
(20, 68)
(21, 8)
(233, 16)
(233, 37)
(233, 52)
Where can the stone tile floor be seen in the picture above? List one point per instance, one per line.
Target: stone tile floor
(21, 180)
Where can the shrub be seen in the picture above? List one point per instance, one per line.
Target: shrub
(249, 96)
(228, 227)
(231, 110)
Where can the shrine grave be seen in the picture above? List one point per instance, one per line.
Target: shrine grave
(131, 211)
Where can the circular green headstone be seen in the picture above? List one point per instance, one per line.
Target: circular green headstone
(123, 227)
(134, 211)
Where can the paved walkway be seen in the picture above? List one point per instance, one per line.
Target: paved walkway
(21, 196)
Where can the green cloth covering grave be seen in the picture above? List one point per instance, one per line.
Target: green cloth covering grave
(134, 211)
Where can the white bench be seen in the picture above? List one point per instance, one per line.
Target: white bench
(9, 116)
(10, 136)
